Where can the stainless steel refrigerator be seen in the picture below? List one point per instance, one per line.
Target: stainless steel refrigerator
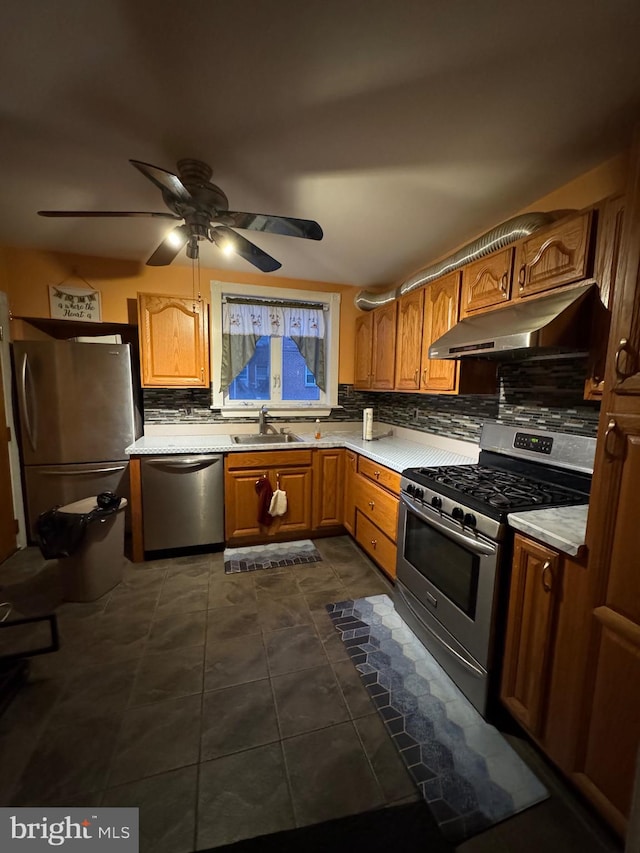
(78, 411)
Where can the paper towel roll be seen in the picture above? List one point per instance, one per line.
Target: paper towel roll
(367, 424)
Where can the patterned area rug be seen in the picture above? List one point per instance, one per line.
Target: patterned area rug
(273, 556)
(468, 774)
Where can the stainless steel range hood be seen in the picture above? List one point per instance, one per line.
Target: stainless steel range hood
(546, 326)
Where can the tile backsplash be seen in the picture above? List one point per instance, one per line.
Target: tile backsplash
(537, 394)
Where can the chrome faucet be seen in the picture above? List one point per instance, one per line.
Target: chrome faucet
(263, 426)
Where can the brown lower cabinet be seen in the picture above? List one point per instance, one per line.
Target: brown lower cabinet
(542, 673)
(312, 479)
(375, 495)
(291, 470)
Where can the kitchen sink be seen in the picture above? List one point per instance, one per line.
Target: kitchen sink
(270, 438)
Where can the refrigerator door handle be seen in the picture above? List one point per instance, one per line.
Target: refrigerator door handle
(25, 398)
(56, 472)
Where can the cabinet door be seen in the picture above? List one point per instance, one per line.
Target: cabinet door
(610, 223)
(328, 488)
(384, 347)
(556, 256)
(363, 342)
(174, 341)
(441, 306)
(606, 754)
(409, 340)
(297, 483)
(530, 624)
(351, 464)
(241, 504)
(486, 282)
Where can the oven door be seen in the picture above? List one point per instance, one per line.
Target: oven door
(452, 573)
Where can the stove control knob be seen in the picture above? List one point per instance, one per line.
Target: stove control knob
(458, 513)
(411, 489)
(436, 502)
(419, 493)
(469, 520)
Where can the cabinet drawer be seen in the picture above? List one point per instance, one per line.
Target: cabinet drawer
(378, 505)
(379, 474)
(376, 544)
(267, 459)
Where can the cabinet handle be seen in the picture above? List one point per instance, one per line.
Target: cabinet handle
(610, 430)
(623, 346)
(424, 375)
(416, 374)
(376, 474)
(546, 585)
(371, 504)
(521, 275)
(504, 282)
(374, 542)
(202, 372)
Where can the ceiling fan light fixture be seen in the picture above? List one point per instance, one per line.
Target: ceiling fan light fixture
(174, 239)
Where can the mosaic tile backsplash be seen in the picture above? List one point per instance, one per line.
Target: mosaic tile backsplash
(535, 394)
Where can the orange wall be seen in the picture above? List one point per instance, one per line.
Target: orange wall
(29, 272)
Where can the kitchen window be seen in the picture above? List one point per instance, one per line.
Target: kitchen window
(273, 347)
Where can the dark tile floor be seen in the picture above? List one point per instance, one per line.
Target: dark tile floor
(223, 707)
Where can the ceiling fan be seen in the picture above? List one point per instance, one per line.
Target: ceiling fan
(205, 210)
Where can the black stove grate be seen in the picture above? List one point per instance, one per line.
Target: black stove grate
(494, 490)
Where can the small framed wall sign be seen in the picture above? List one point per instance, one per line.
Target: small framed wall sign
(75, 303)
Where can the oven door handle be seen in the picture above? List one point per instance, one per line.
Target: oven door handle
(467, 664)
(461, 538)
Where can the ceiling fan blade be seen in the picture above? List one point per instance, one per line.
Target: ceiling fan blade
(285, 225)
(164, 180)
(107, 213)
(169, 248)
(224, 237)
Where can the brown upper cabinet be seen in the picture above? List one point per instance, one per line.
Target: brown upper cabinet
(486, 283)
(555, 256)
(375, 348)
(174, 341)
(409, 340)
(363, 340)
(441, 306)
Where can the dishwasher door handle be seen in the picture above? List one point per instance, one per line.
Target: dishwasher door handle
(188, 462)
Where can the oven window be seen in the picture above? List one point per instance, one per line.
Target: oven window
(447, 565)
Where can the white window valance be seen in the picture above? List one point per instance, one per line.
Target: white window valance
(272, 320)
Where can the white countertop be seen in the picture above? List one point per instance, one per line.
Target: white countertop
(560, 527)
(394, 452)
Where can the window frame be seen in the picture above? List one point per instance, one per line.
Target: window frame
(250, 408)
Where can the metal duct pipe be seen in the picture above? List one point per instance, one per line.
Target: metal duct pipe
(499, 237)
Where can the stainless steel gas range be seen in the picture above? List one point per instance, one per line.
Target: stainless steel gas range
(455, 545)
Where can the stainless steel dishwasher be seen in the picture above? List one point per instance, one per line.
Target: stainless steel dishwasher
(182, 501)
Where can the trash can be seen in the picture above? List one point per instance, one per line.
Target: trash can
(98, 564)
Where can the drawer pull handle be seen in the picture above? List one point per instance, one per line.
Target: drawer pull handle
(547, 585)
(504, 282)
(371, 504)
(521, 275)
(376, 474)
(374, 542)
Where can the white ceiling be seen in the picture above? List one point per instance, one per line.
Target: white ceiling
(404, 128)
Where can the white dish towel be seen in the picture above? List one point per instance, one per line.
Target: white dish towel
(278, 505)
